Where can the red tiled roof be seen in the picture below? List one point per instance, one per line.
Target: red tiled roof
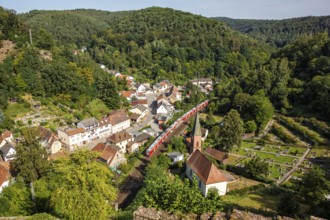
(99, 147)
(75, 131)
(4, 173)
(117, 116)
(127, 94)
(108, 152)
(6, 134)
(205, 169)
(216, 154)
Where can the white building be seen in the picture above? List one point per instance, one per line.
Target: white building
(141, 110)
(164, 109)
(206, 173)
(7, 150)
(73, 138)
(119, 120)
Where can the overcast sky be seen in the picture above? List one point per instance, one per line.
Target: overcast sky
(253, 9)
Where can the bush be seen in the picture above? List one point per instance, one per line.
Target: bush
(302, 131)
(283, 135)
(250, 126)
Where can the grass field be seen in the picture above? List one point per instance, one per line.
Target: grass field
(258, 199)
(17, 110)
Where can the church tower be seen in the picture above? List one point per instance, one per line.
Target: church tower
(196, 136)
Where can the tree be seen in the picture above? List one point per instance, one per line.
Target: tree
(15, 200)
(256, 167)
(231, 130)
(31, 158)
(85, 190)
(314, 186)
(288, 205)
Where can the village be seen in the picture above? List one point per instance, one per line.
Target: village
(115, 135)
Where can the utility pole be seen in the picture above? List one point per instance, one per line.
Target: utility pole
(30, 35)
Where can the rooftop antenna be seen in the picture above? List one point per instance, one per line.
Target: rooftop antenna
(30, 35)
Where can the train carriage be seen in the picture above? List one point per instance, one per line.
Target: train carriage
(160, 139)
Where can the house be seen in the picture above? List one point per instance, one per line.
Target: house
(140, 109)
(49, 140)
(110, 155)
(135, 117)
(162, 99)
(164, 109)
(128, 94)
(161, 120)
(73, 137)
(208, 86)
(7, 151)
(201, 81)
(88, 124)
(176, 157)
(206, 173)
(174, 95)
(139, 140)
(119, 120)
(120, 139)
(140, 89)
(4, 175)
(8, 136)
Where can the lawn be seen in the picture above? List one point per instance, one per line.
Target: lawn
(17, 110)
(217, 118)
(258, 199)
(276, 158)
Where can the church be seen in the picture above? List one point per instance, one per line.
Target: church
(200, 167)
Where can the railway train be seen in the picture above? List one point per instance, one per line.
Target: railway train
(160, 139)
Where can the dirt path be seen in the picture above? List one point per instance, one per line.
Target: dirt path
(294, 168)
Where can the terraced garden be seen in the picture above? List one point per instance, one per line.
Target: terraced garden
(284, 154)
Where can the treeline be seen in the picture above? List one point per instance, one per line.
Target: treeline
(279, 32)
(11, 27)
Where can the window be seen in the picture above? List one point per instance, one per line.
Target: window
(199, 184)
(191, 173)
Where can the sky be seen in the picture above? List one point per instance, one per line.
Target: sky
(247, 9)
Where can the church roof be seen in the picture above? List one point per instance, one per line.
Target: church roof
(197, 127)
(205, 169)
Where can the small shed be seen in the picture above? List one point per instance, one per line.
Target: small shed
(175, 156)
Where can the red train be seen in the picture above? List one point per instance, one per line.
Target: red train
(160, 139)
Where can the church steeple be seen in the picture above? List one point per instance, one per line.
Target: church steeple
(196, 135)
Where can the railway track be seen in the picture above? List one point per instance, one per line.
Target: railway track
(133, 183)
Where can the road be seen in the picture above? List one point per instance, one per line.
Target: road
(149, 119)
(294, 168)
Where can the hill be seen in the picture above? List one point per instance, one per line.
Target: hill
(279, 32)
(159, 43)
(72, 26)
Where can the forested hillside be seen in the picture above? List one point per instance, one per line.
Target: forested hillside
(72, 26)
(279, 32)
(158, 43)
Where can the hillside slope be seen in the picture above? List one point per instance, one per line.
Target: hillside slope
(279, 32)
(72, 26)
